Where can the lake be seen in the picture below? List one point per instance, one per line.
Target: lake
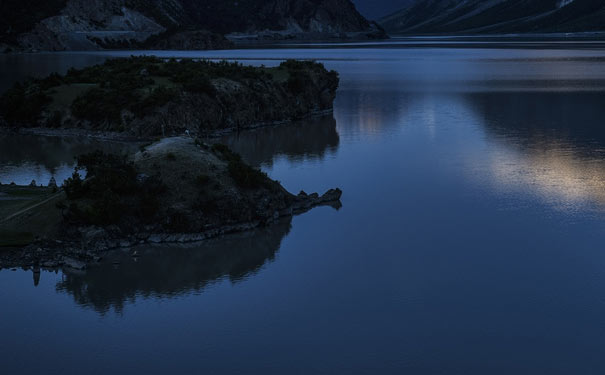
(470, 238)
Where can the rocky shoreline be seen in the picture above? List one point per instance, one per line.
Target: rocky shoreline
(94, 242)
(122, 137)
(175, 205)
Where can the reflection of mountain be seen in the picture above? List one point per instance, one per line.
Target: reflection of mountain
(311, 138)
(371, 108)
(541, 119)
(163, 272)
(557, 139)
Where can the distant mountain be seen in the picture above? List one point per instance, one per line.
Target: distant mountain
(197, 24)
(375, 9)
(496, 16)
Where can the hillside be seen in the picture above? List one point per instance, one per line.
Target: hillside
(496, 16)
(92, 24)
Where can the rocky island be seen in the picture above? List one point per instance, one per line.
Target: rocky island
(174, 190)
(143, 97)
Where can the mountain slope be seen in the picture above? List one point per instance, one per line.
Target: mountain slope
(92, 24)
(497, 16)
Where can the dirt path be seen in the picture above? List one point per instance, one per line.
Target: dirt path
(27, 209)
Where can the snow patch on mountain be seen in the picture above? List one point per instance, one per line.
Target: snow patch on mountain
(563, 3)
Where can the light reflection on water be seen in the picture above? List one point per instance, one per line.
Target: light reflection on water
(469, 241)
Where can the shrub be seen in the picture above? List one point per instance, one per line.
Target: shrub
(111, 193)
(23, 104)
(200, 84)
(298, 81)
(73, 186)
(244, 175)
(99, 105)
(159, 97)
(55, 119)
(202, 180)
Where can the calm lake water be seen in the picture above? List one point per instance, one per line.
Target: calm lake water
(471, 238)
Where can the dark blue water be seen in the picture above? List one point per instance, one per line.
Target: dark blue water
(470, 240)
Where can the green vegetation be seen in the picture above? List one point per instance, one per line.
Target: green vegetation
(300, 74)
(202, 180)
(244, 175)
(25, 210)
(15, 239)
(116, 95)
(112, 193)
(17, 198)
(23, 104)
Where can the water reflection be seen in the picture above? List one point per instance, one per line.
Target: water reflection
(367, 113)
(304, 140)
(17, 67)
(169, 271)
(552, 143)
(27, 157)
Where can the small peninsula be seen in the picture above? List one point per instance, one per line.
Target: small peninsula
(146, 97)
(175, 190)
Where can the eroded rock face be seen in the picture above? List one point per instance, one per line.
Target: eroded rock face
(190, 40)
(58, 25)
(86, 24)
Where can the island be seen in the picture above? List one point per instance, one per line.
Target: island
(146, 97)
(175, 190)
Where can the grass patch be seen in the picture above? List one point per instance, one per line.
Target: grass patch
(15, 239)
(112, 193)
(244, 175)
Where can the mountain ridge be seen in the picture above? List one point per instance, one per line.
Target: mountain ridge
(94, 24)
(496, 16)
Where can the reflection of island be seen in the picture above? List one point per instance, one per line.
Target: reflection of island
(164, 272)
(554, 143)
(311, 138)
(27, 157)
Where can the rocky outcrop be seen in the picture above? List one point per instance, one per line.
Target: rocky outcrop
(188, 40)
(306, 19)
(59, 25)
(86, 25)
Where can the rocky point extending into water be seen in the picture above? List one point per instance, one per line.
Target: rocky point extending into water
(175, 190)
(145, 97)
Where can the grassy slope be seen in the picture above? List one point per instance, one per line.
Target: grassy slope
(35, 210)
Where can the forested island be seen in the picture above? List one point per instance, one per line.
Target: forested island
(174, 190)
(142, 97)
